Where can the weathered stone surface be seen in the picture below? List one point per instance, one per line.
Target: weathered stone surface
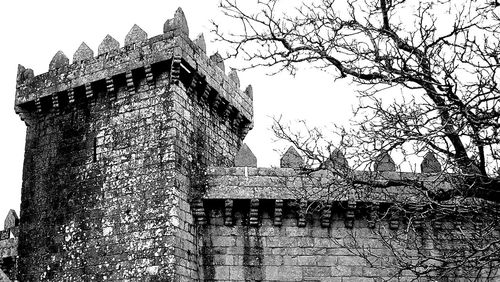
(245, 157)
(23, 74)
(179, 23)
(249, 91)
(291, 159)
(384, 162)
(59, 60)
(337, 160)
(233, 75)
(200, 42)
(136, 34)
(83, 53)
(136, 209)
(12, 220)
(218, 61)
(108, 44)
(430, 164)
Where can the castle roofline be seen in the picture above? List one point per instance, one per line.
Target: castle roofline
(139, 53)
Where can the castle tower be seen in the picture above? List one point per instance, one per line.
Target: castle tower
(116, 150)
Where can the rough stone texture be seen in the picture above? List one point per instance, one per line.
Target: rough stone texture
(245, 157)
(83, 53)
(115, 152)
(430, 164)
(136, 34)
(59, 60)
(178, 23)
(107, 45)
(273, 241)
(233, 75)
(285, 253)
(200, 42)
(249, 91)
(337, 160)
(23, 74)
(291, 158)
(12, 220)
(217, 59)
(384, 162)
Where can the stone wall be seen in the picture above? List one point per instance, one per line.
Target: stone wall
(275, 224)
(116, 149)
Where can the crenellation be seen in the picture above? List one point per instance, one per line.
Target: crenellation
(217, 60)
(200, 42)
(107, 45)
(383, 162)
(233, 76)
(59, 61)
(83, 53)
(177, 24)
(135, 35)
(23, 74)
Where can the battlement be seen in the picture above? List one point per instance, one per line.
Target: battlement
(288, 189)
(139, 59)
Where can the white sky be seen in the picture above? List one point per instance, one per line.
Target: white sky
(33, 31)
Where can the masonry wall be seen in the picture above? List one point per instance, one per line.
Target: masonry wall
(96, 203)
(286, 253)
(203, 138)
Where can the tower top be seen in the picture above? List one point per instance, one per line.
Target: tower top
(173, 48)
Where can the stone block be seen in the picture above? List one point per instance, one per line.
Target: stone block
(291, 159)
(245, 157)
(384, 162)
(58, 61)
(83, 53)
(11, 220)
(136, 34)
(430, 164)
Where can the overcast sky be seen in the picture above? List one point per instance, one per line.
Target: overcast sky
(33, 31)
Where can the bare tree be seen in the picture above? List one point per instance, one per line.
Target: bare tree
(427, 79)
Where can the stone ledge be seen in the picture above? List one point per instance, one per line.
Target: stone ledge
(289, 183)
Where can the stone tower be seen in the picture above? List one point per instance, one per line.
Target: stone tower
(116, 150)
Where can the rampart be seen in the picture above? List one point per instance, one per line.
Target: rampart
(135, 170)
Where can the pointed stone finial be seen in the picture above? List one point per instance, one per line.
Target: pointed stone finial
(136, 34)
(337, 160)
(12, 220)
(249, 91)
(384, 162)
(23, 74)
(291, 159)
(218, 61)
(233, 75)
(59, 60)
(108, 44)
(179, 22)
(200, 42)
(430, 164)
(83, 53)
(245, 157)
